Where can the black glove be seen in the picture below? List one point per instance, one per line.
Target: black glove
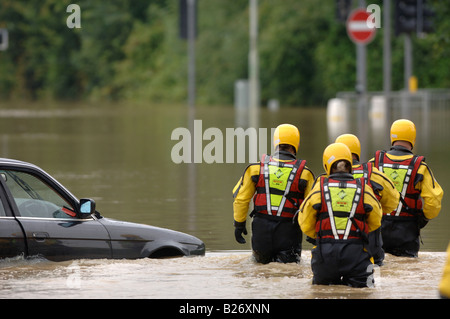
(239, 229)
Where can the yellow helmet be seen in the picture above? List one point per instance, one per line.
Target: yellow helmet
(335, 152)
(403, 130)
(352, 143)
(286, 134)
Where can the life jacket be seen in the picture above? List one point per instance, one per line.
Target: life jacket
(402, 173)
(362, 170)
(365, 170)
(342, 215)
(277, 191)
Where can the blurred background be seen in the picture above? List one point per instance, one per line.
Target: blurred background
(95, 105)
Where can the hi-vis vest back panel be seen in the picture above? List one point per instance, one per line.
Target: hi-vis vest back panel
(277, 189)
(342, 215)
(364, 170)
(402, 174)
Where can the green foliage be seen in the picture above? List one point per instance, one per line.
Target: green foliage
(132, 50)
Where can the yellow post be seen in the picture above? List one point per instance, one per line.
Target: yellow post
(413, 83)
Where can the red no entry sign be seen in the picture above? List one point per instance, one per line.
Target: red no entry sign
(358, 29)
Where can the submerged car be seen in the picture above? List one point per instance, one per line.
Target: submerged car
(40, 217)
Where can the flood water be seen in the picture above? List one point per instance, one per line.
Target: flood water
(218, 275)
(120, 155)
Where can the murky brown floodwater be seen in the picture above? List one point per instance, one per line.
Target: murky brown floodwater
(218, 275)
(120, 155)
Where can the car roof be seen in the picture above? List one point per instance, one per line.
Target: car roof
(10, 161)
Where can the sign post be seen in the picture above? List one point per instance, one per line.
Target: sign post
(361, 33)
(253, 63)
(4, 39)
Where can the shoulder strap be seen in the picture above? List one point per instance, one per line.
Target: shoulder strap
(356, 199)
(412, 169)
(265, 171)
(379, 160)
(327, 198)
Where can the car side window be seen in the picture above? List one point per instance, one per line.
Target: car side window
(34, 197)
(2, 209)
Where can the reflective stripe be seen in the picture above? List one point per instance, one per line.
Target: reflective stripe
(395, 166)
(380, 161)
(356, 199)
(330, 210)
(275, 163)
(403, 192)
(346, 185)
(266, 184)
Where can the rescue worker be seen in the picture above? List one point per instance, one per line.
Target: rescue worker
(382, 187)
(339, 212)
(421, 195)
(278, 184)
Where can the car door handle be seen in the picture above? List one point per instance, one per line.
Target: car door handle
(40, 236)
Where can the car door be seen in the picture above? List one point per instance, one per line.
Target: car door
(48, 216)
(12, 239)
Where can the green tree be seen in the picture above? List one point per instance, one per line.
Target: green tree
(132, 50)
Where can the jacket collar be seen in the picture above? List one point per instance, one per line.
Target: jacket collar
(342, 176)
(284, 156)
(400, 150)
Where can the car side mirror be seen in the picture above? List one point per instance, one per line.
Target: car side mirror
(87, 207)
